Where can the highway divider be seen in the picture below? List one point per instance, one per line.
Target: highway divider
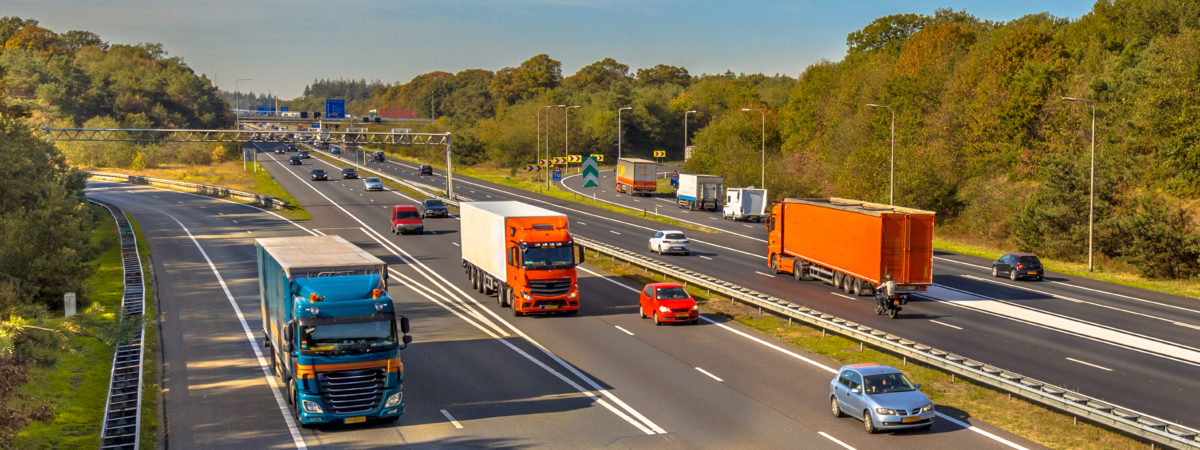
(202, 189)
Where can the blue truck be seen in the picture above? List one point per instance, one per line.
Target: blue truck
(331, 333)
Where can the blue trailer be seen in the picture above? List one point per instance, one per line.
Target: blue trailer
(330, 330)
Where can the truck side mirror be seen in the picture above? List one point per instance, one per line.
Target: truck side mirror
(288, 334)
(405, 340)
(578, 254)
(404, 325)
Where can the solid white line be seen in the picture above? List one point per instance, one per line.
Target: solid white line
(946, 324)
(1188, 325)
(981, 432)
(1089, 364)
(1074, 300)
(764, 274)
(709, 374)
(614, 232)
(581, 223)
(959, 262)
(622, 329)
(451, 419)
(705, 257)
(843, 444)
(235, 221)
(297, 439)
(456, 244)
(842, 295)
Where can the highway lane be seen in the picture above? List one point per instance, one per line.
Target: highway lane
(655, 378)
(1150, 383)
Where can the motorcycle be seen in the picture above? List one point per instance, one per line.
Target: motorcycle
(889, 305)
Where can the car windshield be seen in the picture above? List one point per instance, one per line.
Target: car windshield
(675, 236)
(342, 338)
(547, 257)
(372, 180)
(318, 172)
(672, 293)
(347, 170)
(886, 383)
(434, 204)
(402, 214)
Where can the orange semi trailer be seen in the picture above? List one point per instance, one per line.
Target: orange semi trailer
(852, 245)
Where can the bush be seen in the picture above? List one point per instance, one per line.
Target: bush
(1158, 239)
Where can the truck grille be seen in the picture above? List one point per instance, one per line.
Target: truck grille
(352, 391)
(550, 288)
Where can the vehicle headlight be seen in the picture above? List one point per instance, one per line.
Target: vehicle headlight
(885, 411)
(695, 307)
(526, 295)
(664, 309)
(394, 399)
(927, 408)
(312, 407)
(574, 294)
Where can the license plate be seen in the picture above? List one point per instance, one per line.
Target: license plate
(549, 306)
(1033, 273)
(359, 419)
(911, 419)
(410, 228)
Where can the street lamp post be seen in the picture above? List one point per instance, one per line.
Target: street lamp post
(237, 110)
(764, 144)
(892, 169)
(567, 132)
(1091, 177)
(548, 140)
(619, 130)
(685, 134)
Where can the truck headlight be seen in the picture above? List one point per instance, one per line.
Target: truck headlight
(885, 411)
(394, 399)
(312, 407)
(574, 293)
(526, 296)
(664, 309)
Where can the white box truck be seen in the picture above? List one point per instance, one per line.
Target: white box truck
(699, 191)
(637, 176)
(745, 204)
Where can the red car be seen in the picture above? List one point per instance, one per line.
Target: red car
(406, 219)
(667, 303)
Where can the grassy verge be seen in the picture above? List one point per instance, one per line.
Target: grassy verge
(954, 397)
(229, 174)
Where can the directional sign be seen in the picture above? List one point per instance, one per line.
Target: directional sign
(335, 108)
(544, 162)
(591, 173)
(660, 153)
(533, 168)
(598, 157)
(560, 160)
(574, 158)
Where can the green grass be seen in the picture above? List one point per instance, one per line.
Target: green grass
(265, 184)
(1020, 417)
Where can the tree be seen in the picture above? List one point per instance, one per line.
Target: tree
(885, 32)
(663, 74)
(600, 75)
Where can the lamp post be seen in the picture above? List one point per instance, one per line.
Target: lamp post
(619, 130)
(685, 134)
(1091, 177)
(892, 170)
(567, 132)
(548, 141)
(764, 143)
(237, 110)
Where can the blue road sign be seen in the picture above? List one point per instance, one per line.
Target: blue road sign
(335, 108)
(675, 179)
(283, 108)
(556, 175)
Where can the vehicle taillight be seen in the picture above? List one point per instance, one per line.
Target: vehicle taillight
(1020, 266)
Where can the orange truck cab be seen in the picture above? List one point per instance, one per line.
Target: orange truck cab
(522, 253)
(851, 244)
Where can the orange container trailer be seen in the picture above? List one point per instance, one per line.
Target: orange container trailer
(851, 244)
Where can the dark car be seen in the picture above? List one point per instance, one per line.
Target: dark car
(425, 169)
(304, 154)
(295, 161)
(292, 147)
(1018, 265)
(334, 149)
(433, 207)
(278, 150)
(349, 173)
(377, 156)
(319, 174)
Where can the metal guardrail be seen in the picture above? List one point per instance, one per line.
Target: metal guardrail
(1124, 420)
(123, 407)
(202, 189)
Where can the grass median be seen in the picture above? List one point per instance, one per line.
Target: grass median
(956, 397)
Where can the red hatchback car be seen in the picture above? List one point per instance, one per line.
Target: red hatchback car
(667, 303)
(406, 219)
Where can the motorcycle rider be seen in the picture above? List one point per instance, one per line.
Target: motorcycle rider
(884, 294)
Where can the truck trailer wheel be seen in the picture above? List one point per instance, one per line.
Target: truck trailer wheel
(848, 284)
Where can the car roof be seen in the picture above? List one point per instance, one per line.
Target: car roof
(671, 231)
(404, 208)
(664, 285)
(1023, 254)
(870, 368)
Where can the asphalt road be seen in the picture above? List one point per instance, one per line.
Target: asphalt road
(1130, 346)
(476, 378)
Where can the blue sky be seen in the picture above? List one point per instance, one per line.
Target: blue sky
(283, 45)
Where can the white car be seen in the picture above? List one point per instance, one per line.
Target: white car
(669, 241)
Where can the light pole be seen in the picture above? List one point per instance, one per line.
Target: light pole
(237, 110)
(764, 143)
(1091, 177)
(685, 135)
(619, 130)
(567, 132)
(548, 141)
(892, 170)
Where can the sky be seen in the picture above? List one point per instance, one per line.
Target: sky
(282, 46)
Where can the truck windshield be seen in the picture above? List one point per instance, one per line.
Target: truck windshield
(343, 338)
(548, 258)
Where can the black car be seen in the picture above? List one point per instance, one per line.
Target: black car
(291, 147)
(304, 154)
(1017, 266)
(319, 174)
(349, 173)
(425, 169)
(433, 207)
(278, 150)
(295, 161)
(377, 156)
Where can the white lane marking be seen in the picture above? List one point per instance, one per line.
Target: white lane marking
(710, 375)
(764, 274)
(451, 419)
(456, 244)
(614, 232)
(842, 295)
(155, 196)
(1188, 325)
(944, 324)
(835, 441)
(713, 218)
(622, 329)
(1089, 364)
(220, 213)
(636, 201)
(959, 262)
(1066, 325)
(235, 221)
(747, 225)
(580, 223)
(1075, 300)
(705, 257)
(488, 195)
(297, 439)
(179, 202)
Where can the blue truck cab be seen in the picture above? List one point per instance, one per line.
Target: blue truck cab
(330, 331)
